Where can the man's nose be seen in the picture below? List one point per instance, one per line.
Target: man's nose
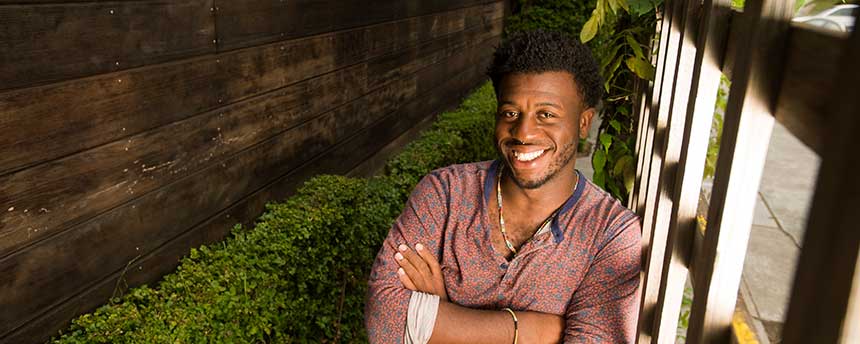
(524, 129)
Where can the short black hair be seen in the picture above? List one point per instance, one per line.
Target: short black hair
(541, 51)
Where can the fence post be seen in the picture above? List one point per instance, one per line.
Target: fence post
(676, 76)
(689, 153)
(825, 301)
(746, 135)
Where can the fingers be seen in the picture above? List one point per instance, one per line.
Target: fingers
(410, 270)
(429, 259)
(437, 281)
(417, 263)
(405, 280)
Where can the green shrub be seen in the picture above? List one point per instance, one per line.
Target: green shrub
(566, 16)
(300, 275)
(461, 135)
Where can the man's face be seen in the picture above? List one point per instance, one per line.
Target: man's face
(538, 125)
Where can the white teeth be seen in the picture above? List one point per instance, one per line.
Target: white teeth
(528, 156)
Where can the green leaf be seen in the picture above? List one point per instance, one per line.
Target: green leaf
(615, 124)
(606, 140)
(637, 49)
(642, 68)
(613, 189)
(624, 5)
(615, 65)
(589, 30)
(640, 7)
(613, 5)
(598, 161)
(629, 176)
(599, 178)
(621, 164)
(609, 58)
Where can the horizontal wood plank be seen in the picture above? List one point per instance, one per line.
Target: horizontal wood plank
(69, 117)
(50, 198)
(147, 222)
(824, 300)
(50, 42)
(808, 85)
(163, 260)
(255, 22)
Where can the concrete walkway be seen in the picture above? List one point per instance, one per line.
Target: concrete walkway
(784, 198)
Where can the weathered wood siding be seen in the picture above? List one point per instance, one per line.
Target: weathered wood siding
(131, 131)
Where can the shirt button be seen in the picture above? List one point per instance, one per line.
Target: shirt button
(501, 297)
(504, 266)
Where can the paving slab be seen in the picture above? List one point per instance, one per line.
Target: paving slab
(769, 272)
(788, 181)
(784, 198)
(762, 215)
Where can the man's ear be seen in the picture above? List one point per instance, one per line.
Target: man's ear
(585, 121)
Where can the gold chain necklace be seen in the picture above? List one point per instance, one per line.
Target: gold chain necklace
(508, 243)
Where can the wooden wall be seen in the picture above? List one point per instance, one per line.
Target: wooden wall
(131, 131)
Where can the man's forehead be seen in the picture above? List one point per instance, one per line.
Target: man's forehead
(551, 85)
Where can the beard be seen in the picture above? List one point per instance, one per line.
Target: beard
(561, 160)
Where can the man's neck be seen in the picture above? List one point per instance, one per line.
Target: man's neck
(545, 198)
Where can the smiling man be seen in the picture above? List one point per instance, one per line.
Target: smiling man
(524, 248)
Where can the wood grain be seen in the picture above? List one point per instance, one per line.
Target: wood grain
(807, 88)
(685, 77)
(743, 149)
(643, 168)
(254, 22)
(688, 152)
(54, 196)
(45, 123)
(148, 222)
(654, 233)
(60, 41)
(824, 301)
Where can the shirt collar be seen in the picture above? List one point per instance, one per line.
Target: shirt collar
(557, 234)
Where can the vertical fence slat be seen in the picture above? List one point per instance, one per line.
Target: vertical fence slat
(643, 107)
(746, 134)
(642, 112)
(819, 310)
(650, 119)
(655, 240)
(688, 152)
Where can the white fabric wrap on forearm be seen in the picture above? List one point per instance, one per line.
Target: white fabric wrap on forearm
(420, 318)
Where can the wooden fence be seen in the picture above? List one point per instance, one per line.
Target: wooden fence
(131, 131)
(803, 77)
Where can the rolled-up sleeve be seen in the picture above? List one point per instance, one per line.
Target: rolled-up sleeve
(422, 221)
(605, 306)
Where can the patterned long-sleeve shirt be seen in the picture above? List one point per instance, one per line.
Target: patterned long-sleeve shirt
(586, 268)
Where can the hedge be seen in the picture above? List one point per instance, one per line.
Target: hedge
(299, 275)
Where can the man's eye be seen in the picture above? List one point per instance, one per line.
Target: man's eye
(547, 115)
(510, 114)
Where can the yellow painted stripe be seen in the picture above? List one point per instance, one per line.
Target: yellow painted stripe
(743, 332)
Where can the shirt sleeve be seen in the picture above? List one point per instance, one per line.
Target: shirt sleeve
(421, 318)
(422, 221)
(605, 306)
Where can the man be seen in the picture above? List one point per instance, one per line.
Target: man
(528, 250)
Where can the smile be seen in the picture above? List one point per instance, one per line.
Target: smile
(529, 156)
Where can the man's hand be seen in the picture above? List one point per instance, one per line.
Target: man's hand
(420, 271)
